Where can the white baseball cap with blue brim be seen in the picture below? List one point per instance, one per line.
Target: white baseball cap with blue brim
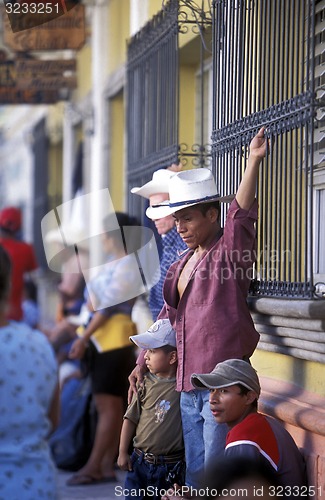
(161, 333)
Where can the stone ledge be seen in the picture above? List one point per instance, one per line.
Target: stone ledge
(293, 405)
(293, 308)
(303, 415)
(291, 327)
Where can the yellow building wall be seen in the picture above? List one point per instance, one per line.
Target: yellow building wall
(117, 152)
(118, 32)
(154, 6)
(83, 72)
(187, 105)
(55, 158)
(54, 125)
(306, 374)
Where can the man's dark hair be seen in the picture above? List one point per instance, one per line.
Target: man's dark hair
(204, 207)
(244, 390)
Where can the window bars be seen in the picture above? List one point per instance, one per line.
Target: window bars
(264, 75)
(152, 96)
(153, 92)
(268, 60)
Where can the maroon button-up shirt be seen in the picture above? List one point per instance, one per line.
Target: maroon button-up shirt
(212, 319)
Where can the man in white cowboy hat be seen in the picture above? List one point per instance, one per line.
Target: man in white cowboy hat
(205, 294)
(156, 191)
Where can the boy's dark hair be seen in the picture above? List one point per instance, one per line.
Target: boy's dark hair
(168, 348)
(244, 390)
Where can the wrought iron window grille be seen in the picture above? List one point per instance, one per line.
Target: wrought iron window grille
(268, 72)
(196, 16)
(277, 119)
(153, 92)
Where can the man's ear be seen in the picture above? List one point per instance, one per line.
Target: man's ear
(251, 396)
(213, 214)
(173, 357)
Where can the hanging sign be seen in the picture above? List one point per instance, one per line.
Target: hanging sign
(44, 66)
(36, 81)
(65, 31)
(47, 82)
(11, 95)
(26, 14)
(38, 74)
(7, 74)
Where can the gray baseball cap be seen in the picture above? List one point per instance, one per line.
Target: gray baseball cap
(227, 373)
(159, 334)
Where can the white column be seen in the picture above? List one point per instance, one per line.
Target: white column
(138, 15)
(99, 158)
(68, 158)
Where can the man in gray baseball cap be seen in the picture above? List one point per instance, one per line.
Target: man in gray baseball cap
(234, 390)
(229, 373)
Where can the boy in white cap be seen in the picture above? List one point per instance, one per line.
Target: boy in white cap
(153, 419)
(156, 191)
(234, 390)
(205, 293)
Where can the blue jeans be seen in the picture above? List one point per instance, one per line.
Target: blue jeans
(150, 480)
(204, 438)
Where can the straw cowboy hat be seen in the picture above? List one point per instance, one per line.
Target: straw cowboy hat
(186, 189)
(158, 184)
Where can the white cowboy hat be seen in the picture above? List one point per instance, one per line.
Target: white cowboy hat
(158, 184)
(186, 189)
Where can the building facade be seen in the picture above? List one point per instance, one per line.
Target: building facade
(192, 81)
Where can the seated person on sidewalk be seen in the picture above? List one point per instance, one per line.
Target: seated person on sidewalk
(234, 391)
(153, 419)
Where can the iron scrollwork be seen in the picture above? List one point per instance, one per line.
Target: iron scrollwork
(280, 118)
(199, 155)
(197, 14)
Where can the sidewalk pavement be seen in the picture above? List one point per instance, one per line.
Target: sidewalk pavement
(103, 491)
